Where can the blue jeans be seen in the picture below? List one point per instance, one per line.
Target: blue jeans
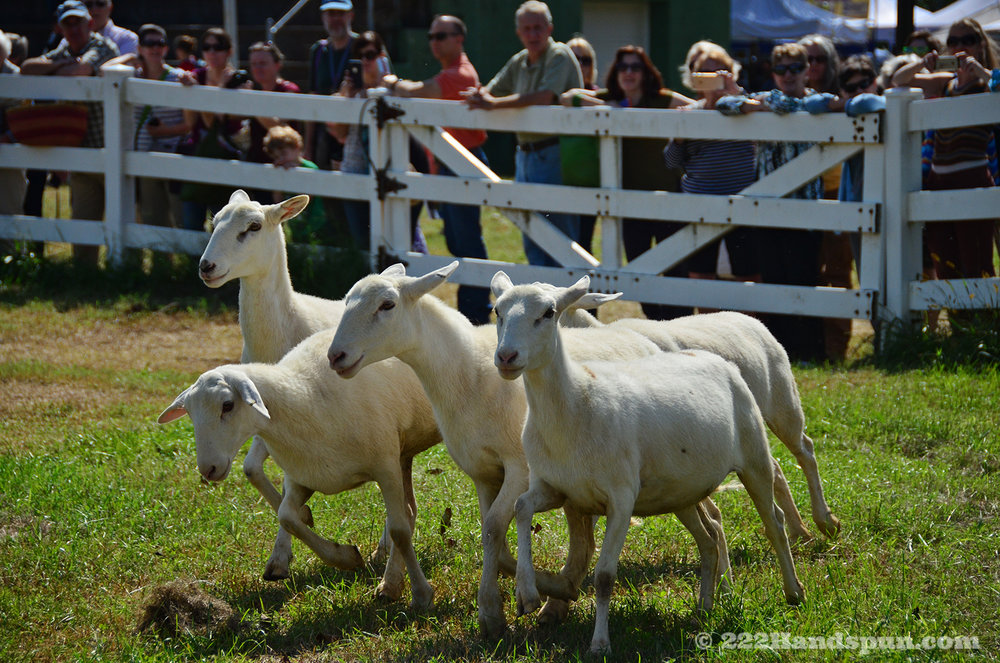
(358, 213)
(464, 236)
(544, 167)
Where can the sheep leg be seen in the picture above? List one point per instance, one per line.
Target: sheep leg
(539, 497)
(616, 528)
(581, 549)
(344, 557)
(401, 529)
(381, 552)
(253, 468)
(711, 517)
(789, 428)
(707, 539)
(494, 530)
(805, 454)
(759, 483)
(783, 496)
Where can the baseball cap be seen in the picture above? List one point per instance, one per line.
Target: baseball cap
(72, 8)
(337, 5)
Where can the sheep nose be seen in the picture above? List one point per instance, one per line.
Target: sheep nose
(335, 358)
(206, 267)
(506, 357)
(210, 473)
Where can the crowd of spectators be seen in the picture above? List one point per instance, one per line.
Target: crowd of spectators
(808, 75)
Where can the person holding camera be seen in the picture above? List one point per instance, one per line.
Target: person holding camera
(715, 167)
(368, 65)
(210, 131)
(959, 156)
(157, 128)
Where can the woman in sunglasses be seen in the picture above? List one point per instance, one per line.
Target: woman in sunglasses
(823, 61)
(960, 157)
(368, 51)
(634, 82)
(788, 257)
(157, 128)
(216, 47)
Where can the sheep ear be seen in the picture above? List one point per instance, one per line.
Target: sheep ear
(595, 299)
(286, 209)
(176, 409)
(421, 285)
(500, 283)
(394, 271)
(239, 196)
(569, 296)
(248, 392)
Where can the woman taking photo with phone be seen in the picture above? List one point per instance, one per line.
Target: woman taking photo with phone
(959, 158)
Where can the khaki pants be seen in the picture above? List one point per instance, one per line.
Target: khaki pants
(86, 200)
(12, 188)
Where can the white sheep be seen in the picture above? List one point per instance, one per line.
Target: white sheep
(764, 365)
(481, 416)
(618, 438)
(248, 243)
(327, 435)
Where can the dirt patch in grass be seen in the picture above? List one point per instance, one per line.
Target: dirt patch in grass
(183, 607)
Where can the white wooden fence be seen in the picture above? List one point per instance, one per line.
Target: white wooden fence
(889, 220)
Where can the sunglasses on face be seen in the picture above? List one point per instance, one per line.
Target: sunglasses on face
(818, 59)
(440, 36)
(153, 43)
(218, 48)
(851, 88)
(585, 60)
(794, 68)
(917, 50)
(630, 66)
(369, 55)
(965, 40)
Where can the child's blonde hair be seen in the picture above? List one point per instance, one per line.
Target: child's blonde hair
(281, 137)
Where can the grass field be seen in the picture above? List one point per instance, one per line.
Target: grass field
(100, 507)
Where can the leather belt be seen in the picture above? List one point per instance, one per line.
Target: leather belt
(538, 144)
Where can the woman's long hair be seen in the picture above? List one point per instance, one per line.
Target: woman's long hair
(652, 80)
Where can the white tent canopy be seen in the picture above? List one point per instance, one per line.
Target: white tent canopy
(792, 19)
(882, 16)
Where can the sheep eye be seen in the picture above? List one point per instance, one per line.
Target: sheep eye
(254, 227)
(387, 306)
(227, 407)
(548, 314)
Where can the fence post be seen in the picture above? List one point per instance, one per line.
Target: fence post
(903, 246)
(611, 232)
(119, 189)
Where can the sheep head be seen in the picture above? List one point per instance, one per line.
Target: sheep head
(245, 238)
(527, 320)
(226, 410)
(377, 321)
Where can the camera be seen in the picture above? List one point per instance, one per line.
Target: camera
(353, 74)
(239, 77)
(946, 63)
(706, 81)
(153, 122)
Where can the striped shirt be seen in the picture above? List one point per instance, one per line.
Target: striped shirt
(167, 116)
(718, 167)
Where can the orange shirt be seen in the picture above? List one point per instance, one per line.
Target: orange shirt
(453, 79)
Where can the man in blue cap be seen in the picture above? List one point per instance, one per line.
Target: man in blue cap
(81, 53)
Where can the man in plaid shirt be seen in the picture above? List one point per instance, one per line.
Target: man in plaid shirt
(81, 54)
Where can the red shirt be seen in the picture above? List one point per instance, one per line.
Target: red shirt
(454, 78)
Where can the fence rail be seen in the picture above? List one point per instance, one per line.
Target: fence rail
(888, 220)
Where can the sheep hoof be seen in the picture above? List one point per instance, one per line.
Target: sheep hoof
(388, 592)
(492, 626)
(600, 647)
(275, 571)
(830, 527)
(527, 603)
(554, 611)
(378, 557)
(422, 600)
(796, 598)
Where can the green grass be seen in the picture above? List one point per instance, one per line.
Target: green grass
(97, 508)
